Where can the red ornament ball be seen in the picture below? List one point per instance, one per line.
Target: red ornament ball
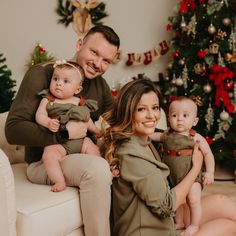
(41, 49)
(209, 140)
(175, 54)
(201, 54)
(229, 85)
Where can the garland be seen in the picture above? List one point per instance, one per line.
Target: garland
(80, 14)
(144, 58)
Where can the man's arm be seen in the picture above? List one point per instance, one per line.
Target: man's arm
(21, 127)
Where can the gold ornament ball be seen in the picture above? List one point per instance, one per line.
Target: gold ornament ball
(183, 24)
(166, 78)
(207, 88)
(224, 115)
(170, 65)
(179, 82)
(226, 21)
(211, 29)
(181, 62)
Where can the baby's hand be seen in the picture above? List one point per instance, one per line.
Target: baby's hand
(98, 134)
(53, 125)
(115, 173)
(208, 178)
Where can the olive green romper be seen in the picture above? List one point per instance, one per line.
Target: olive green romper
(66, 112)
(174, 146)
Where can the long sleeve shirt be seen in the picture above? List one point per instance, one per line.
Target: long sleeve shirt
(143, 203)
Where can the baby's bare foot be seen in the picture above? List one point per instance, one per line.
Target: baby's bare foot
(58, 187)
(190, 231)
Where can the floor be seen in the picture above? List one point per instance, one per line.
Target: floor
(224, 183)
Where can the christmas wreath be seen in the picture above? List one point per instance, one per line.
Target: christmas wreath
(80, 14)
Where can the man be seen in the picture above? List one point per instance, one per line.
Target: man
(89, 173)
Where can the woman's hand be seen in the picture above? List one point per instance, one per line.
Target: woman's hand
(77, 129)
(182, 188)
(197, 157)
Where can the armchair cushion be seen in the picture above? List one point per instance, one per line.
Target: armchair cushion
(38, 206)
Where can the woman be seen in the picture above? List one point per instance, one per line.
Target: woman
(143, 203)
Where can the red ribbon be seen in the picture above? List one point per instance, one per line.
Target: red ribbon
(187, 4)
(218, 76)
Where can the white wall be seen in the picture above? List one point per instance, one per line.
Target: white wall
(140, 25)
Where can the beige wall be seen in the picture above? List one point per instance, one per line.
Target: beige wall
(140, 25)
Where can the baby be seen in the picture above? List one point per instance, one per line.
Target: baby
(178, 144)
(60, 104)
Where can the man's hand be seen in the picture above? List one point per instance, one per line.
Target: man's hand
(76, 129)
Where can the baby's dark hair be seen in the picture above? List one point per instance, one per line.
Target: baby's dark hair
(185, 98)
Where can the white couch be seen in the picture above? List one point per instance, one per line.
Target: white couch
(28, 209)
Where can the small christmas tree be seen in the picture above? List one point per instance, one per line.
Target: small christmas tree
(203, 66)
(39, 55)
(6, 86)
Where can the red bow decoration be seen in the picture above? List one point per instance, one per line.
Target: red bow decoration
(218, 76)
(187, 4)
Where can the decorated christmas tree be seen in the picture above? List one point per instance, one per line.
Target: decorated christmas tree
(39, 55)
(203, 66)
(6, 86)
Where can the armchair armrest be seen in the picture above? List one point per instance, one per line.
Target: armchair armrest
(7, 198)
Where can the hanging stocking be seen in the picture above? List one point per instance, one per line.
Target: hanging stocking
(147, 58)
(131, 59)
(164, 47)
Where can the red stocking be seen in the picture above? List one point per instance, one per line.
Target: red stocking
(131, 59)
(164, 47)
(148, 58)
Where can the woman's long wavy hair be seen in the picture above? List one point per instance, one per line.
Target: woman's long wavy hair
(118, 124)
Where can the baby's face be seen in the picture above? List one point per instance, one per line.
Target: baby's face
(182, 115)
(65, 83)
